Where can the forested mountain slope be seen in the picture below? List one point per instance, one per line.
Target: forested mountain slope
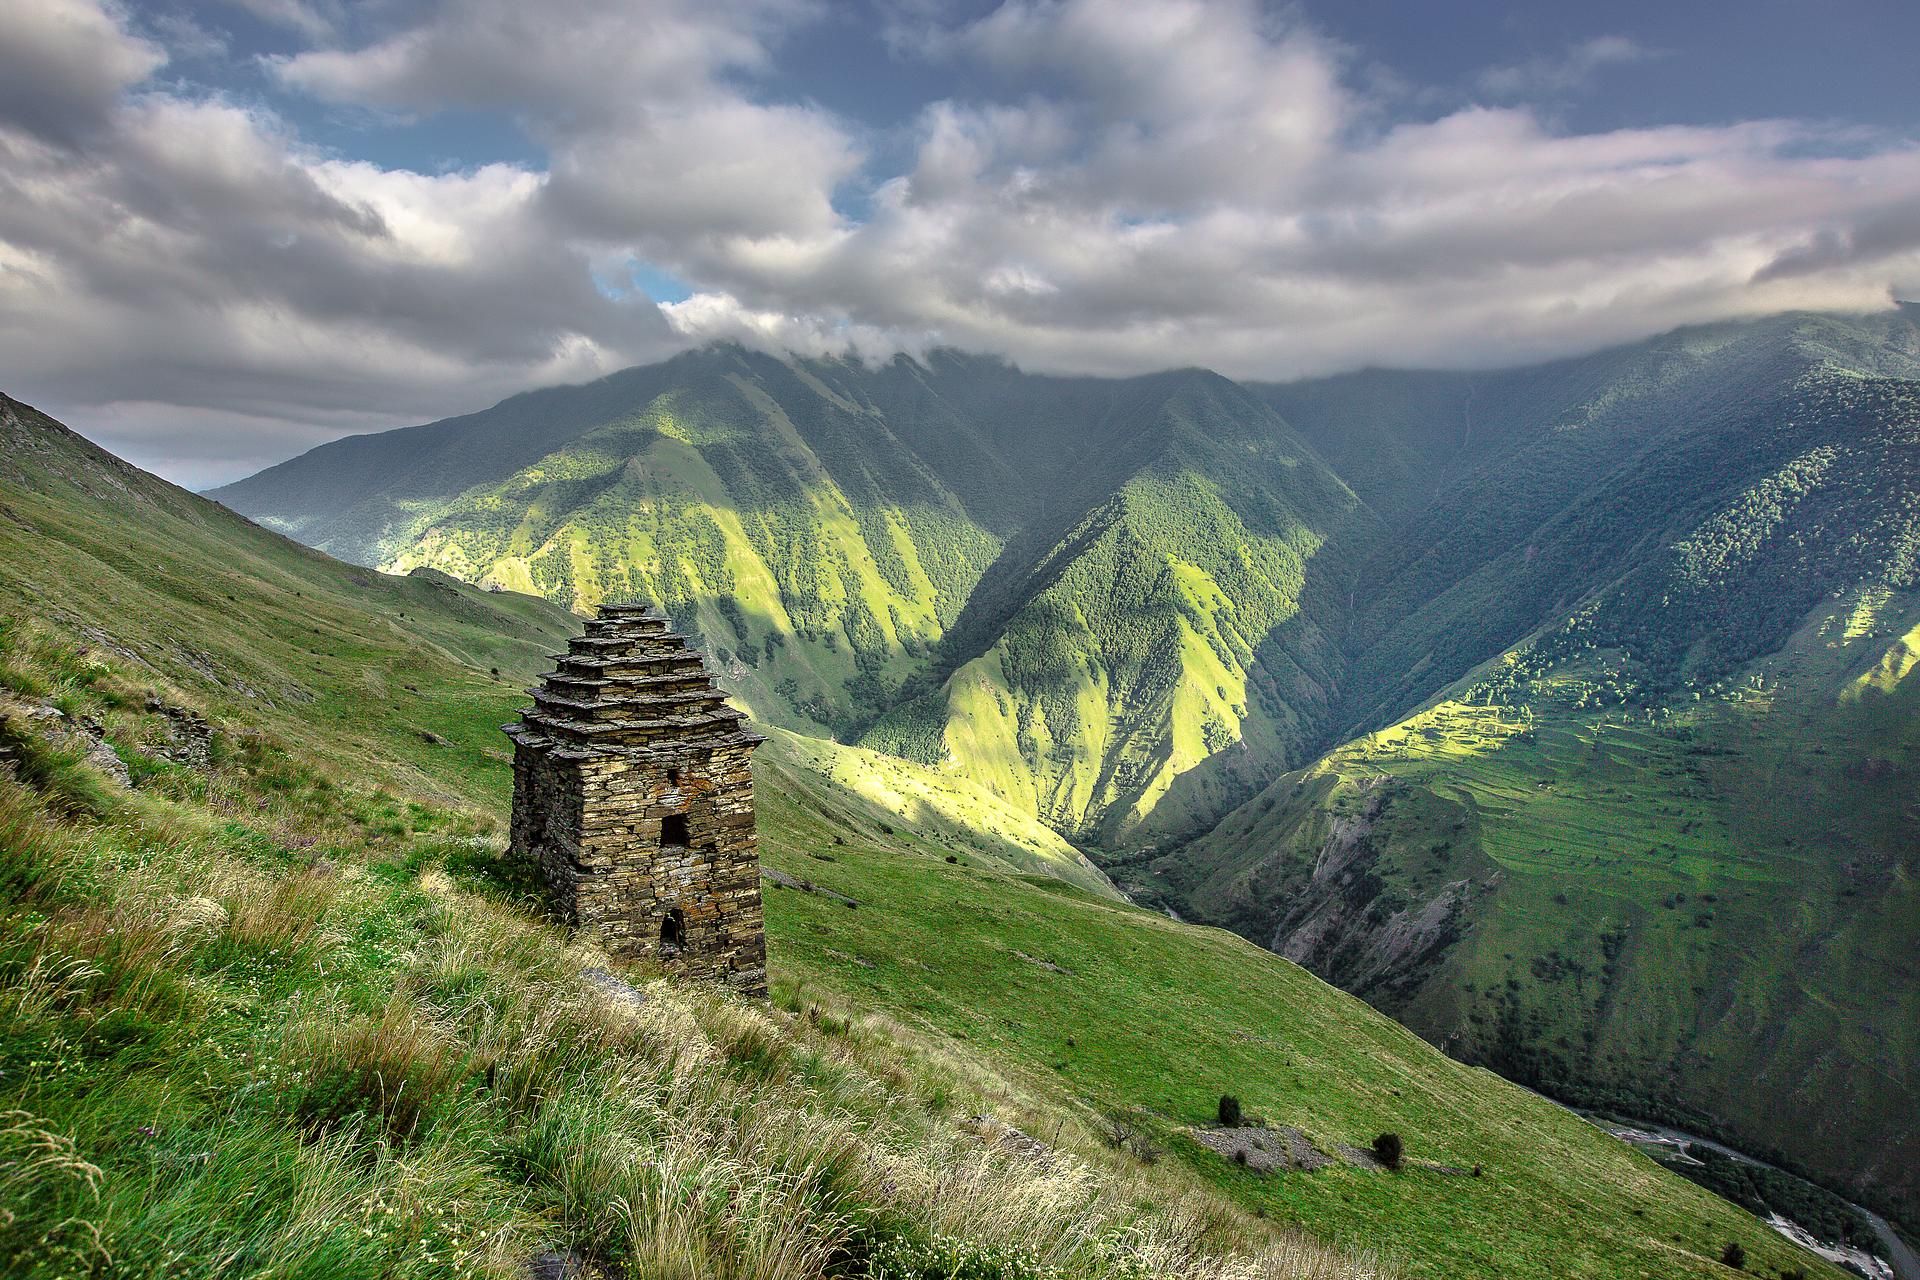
(352, 925)
(1510, 496)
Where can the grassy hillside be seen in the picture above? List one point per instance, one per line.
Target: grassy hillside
(1701, 910)
(1123, 607)
(214, 980)
(1163, 655)
(1563, 840)
(299, 643)
(158, 578)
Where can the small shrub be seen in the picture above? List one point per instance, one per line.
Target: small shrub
(1734, 1255)
(1229, 1111)
(1390, 1151)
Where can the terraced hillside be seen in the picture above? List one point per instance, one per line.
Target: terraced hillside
(211, 978)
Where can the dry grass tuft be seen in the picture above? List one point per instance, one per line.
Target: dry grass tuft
(391, 1070)
(286, 914)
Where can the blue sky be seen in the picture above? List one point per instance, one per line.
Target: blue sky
(232, 229)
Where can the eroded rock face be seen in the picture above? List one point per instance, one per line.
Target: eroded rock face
(102, 756)
(633, 797)
(1335, 924)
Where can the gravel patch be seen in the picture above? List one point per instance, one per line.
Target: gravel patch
(1264, 1150)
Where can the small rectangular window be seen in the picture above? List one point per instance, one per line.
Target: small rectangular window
(673, 830)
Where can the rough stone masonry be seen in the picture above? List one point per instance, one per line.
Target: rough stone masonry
(633, 796)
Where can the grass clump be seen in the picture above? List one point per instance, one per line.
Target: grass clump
(391, 1070)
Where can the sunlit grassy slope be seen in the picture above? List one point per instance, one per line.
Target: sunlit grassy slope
(263, 1017)
(975, 989)
(1122, 605)
(1161, 657)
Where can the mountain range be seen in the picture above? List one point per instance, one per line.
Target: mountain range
(1563, 712)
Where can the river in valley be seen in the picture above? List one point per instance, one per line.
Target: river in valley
(1901, 1262)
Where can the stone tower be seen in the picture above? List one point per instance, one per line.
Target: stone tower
(633, 796)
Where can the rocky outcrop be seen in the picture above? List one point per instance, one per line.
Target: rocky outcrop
(1339, 925)
(187, 738)
(80, 734)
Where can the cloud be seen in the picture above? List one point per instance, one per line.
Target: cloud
(1571, 70)
(65, 63)
(579, 60)
(184, 38)
(654, 148)
(315, 19)
(1128, 187)
(1196, 184)
(196, 269)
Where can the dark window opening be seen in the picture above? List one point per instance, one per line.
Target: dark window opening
(673, 830)
(673, 932)
(673, 777)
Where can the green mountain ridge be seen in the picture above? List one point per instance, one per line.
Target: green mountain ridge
(1567, 472)
(195, 968)
(1658, 854)
(886, 554)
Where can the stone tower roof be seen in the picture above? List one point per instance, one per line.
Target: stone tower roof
(629, 684)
